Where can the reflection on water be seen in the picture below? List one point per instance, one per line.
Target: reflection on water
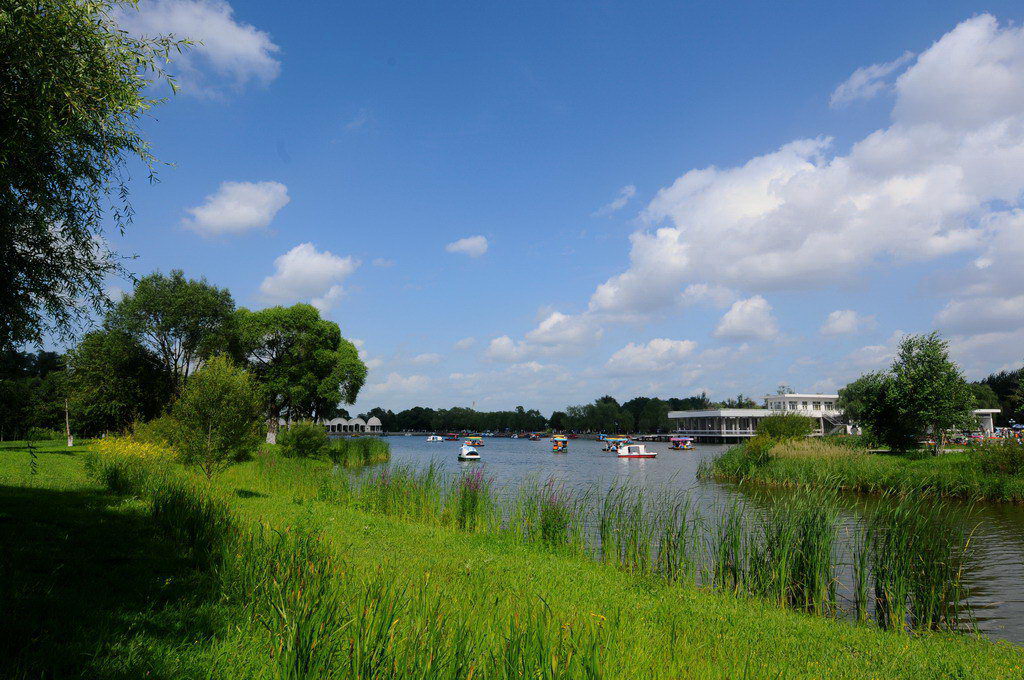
(995, 572)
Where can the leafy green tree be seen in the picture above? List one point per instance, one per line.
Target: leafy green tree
(558, 421)
(74, 88)
(923, 393)
(31, 392)
(181, 321)
(219, 416)
(929, 389)
(654, 417)
(114, 381)
(305, 365)
(984, 396)
(1007, 385)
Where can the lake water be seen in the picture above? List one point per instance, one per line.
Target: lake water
(995, 573)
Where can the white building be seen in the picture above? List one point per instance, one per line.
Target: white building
(730, 424)
(353, 426)
(737, 423)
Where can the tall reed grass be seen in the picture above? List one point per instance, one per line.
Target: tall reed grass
(307, 619)
(353, 452)
(906, 557)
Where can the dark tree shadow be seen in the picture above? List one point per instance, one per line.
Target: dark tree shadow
(246, 493)
(83, 575)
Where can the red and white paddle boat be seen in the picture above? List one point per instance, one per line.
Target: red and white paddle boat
(634, 451)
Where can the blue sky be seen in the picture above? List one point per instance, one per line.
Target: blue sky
(539, 203)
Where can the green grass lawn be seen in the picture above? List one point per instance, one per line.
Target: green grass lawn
(97, 580)
(951, 475)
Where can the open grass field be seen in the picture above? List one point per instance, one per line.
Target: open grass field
(254, 576)
(821, 464)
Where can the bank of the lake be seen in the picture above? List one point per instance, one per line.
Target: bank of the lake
(131, 600)
(822, 464)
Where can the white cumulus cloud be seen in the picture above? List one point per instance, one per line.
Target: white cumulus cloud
(748, 319)
(846, 321)
(657, 355)
(945, 177)
(474, 246)
(465, 343)
(226, 52)
(238, 207)
(307, 274)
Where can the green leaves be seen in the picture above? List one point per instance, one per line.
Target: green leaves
(73, 89)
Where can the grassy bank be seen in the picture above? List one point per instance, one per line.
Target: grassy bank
(980, 473)
(264, 574)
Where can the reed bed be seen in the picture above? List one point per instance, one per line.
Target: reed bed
(906, 556)
(352, 452)
(991, 472)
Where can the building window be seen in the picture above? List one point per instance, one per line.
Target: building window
(803, 405)
(817, 406)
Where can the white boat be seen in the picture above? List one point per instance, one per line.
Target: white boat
(467, 452)
(635, 451)
(435, 438)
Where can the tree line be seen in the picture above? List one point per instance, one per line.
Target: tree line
(153, 341)
(605, 414)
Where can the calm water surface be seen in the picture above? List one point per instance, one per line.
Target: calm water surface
(995, 573)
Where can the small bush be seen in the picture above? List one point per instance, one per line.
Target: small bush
(785, 426)
(160, 431)
(304, 439)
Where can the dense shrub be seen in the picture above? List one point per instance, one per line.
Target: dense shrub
(41, 434)
(785, 426)
(304, 439)
(1002, 457)
(161, 431)
(741, 460)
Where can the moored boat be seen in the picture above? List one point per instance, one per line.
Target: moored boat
(681, 443)
(635, 451)
(612, 443)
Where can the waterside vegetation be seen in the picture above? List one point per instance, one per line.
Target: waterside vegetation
(279, 568)
(991, 471)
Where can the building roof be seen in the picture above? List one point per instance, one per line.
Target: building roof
(797, 395)
(374, 420)
(726, 412)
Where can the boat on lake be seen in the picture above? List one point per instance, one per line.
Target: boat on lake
(468, 452)
(435, 438)
(635, 451)
(451, 437)
(534, 437)
(680, 443)
(474, 441)
(560, 444)
(613, 443)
